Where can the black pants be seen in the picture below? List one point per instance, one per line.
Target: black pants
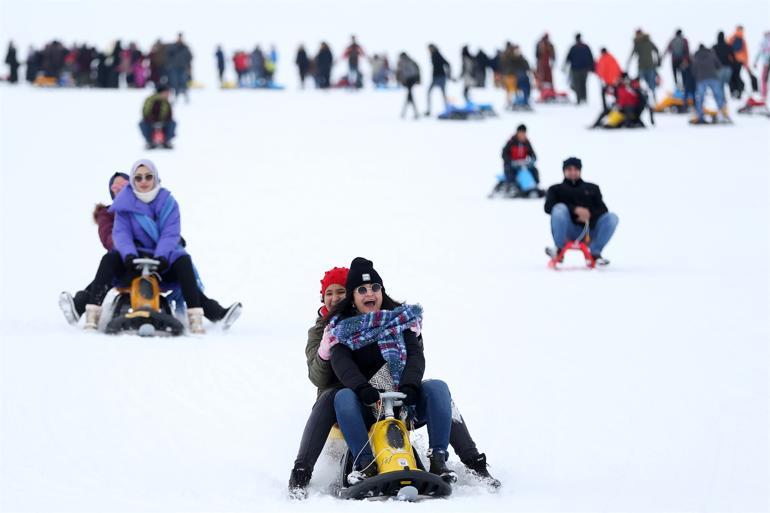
(409, 99)
(323, 417)
(112, 266)
(579, 77)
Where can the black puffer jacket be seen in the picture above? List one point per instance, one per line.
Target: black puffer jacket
(355, 368)
(576, 194)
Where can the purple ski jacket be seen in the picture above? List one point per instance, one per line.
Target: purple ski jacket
(130, 238)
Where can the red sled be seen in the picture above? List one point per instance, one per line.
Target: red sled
(550, 95)
(573, 246)
(158, 136)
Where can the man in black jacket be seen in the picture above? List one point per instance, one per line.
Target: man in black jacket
(572, 204)
(441, 72)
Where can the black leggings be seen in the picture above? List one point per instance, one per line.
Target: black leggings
(112, 266)
(323, 417)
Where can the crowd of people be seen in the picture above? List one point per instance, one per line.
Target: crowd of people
(83, 65)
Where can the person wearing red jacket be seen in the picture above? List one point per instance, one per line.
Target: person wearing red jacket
(74, 307)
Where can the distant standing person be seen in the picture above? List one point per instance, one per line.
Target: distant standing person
(408, 75)
(441, 71)
(679, 48)
(303, 65)
(546, 56)
(726, 60)
(179, 64)
(763, 57)
(323, 64)
(352, 53)
(581, 63)
(609, 72)
(13, 63)
(741, 52)
(648, 60)
(220, 64)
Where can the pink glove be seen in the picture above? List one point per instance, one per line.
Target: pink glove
(417, 329)
(327, 342)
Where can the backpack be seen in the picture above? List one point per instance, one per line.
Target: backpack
(737, 44)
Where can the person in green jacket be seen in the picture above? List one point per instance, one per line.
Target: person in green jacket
(323, 417)
(648, 60)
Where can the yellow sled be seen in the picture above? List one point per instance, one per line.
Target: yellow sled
(400, 472)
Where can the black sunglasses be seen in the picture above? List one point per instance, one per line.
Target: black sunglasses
(374, 287)
(139, 178)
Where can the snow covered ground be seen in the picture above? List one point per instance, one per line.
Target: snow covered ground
(642, 387)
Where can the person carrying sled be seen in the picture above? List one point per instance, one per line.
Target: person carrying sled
(545, 54)
(521, 176)
(705, 70)
(74, 307)
(157, 115)
(572, 204)
(147, 224)
(408, 75)
(323, 417)
(737, 42)
(371, 334)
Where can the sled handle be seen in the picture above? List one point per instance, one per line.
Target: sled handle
(584, 234)
(389, 400)
(146, 265)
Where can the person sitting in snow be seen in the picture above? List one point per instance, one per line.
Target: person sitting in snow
(630, 102)
(322, 416)
(74, 307)
(146, 224)
(156, 114)
(574, 203)
(521, 176)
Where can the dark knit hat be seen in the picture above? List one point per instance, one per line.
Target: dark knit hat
(112, 180)
(361, 271)
(572, 161)
(521, 128)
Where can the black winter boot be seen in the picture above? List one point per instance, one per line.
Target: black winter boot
(300, 477)
(477, 466)
(438, 466)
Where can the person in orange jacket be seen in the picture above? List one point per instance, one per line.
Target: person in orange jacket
(608, 70)
(741, 53)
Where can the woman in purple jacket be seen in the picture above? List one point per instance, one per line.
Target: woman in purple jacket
(147, 224)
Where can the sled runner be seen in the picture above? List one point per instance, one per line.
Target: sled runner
(579, 244)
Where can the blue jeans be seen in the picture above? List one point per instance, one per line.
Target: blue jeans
(725, 73)
(700, 94)
(564, 230)
(434, 409)
(169, 130)
(649, 76)
(522, 83)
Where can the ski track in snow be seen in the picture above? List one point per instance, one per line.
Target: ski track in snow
(641, 387)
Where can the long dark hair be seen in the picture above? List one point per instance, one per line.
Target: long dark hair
(347, 307)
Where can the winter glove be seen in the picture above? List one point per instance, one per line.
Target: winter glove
(412, 393)
(163, 265)
(368, 394)
(129, 262)
(327, 342)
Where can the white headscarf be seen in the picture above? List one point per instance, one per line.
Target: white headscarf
(148, 196)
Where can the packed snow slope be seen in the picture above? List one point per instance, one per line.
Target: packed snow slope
(641, 387)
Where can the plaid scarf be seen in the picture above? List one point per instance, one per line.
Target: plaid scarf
(385, 328)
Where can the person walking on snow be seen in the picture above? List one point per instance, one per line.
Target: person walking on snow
(573, 203)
